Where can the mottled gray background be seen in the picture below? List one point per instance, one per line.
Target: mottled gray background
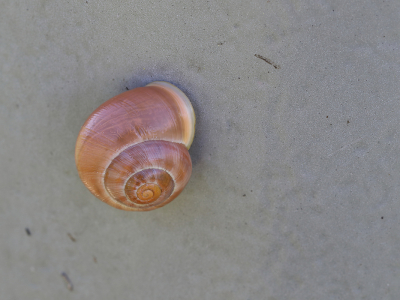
(295, 187)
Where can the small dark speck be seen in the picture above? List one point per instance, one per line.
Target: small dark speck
(251, 191)
(94, 259)
(67, 281)
(327, 117)
(28, 232)
(238, 77)
(330, 124)
(348, 121)
(244, 195)
(127, 88)
(382, 218)
(71, 237)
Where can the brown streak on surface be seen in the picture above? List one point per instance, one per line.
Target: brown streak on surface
(267, 60)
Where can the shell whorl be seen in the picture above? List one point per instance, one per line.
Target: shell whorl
(132, 152)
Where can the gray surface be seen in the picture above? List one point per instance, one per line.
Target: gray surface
(295, 187)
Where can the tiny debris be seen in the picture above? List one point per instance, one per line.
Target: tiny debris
(127, 88)
(348, 121)
(268, 61)
(28, 232)
(382, 218)
(71, 237)
(94, 259)
(67, 281)
(244, 195)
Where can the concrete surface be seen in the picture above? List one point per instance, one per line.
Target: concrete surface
(295, 187)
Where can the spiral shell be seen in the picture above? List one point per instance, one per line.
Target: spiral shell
(132, 152)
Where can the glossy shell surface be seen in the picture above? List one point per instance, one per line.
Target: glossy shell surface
(132, 152)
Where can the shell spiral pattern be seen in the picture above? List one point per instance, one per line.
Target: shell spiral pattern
(132, 152)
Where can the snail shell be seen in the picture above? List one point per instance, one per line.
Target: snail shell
(132, 152)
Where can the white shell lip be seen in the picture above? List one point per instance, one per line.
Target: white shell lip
(187, 106)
